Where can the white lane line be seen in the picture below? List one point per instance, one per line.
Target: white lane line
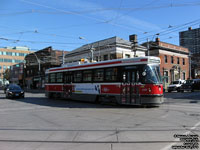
(176, 140)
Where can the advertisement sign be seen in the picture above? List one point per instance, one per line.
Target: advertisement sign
(87, 89)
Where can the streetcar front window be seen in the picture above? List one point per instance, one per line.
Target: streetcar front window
(151, 74)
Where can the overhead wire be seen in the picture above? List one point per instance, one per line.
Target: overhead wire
(165, 32)
(173, 29)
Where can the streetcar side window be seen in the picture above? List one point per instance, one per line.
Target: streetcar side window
(59, 77)
(98, 75)
(52, 78)
(46, 78)
(68, 77)
(111, 74)
(87, 76)
(77, 76)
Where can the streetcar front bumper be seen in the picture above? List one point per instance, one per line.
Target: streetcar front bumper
(151, 100)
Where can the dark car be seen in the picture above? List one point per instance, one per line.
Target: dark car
(191, 85)
(188, 86)
(14, 91)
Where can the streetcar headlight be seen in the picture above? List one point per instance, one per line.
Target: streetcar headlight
(160, 89)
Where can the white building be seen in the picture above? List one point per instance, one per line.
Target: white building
(111, 48)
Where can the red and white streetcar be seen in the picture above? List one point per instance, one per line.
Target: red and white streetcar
(132, 81)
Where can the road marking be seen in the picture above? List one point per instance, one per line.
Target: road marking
(176, 140)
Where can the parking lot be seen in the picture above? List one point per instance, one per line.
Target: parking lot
(36, 123)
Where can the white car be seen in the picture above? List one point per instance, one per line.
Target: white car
(175, 86)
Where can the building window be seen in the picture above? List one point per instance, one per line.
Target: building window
(113, 56)
(165, 58)
(97, 58)
(178, 60)
(183, 61)
(172, 59)
(4, 67)
(127, 56)
(183, 75)
(105, 57)
(0, 67)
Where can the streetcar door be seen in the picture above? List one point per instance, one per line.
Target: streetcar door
(68, 87)
(130, 91)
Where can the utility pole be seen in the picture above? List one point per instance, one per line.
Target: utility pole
(39, 69)
(63, 57)
(89, 47)
(190, 65)
(147, 47)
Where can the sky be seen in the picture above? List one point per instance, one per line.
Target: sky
(60, 23)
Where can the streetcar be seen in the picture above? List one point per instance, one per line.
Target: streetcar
(131, 81)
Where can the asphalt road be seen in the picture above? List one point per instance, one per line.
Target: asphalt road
(37, 123)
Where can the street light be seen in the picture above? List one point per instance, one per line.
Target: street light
(38, 60)
(155, 35)
(90, 48)
(152, 41)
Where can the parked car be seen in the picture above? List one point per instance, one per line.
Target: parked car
(191, 85)
(188, 86)
(175, 86)
(14, 91)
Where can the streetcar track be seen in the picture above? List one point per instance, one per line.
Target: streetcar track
(137, 130)
(79, 142)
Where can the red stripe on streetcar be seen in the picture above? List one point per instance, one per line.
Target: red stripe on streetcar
(143, 59)
(90, 65)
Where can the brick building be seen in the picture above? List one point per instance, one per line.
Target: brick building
(36, 65)
(174, 60)
(17, 74)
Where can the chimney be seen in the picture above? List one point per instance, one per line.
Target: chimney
(157, 39)
(133, 38)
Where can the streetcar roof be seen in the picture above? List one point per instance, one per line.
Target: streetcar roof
(108, 63)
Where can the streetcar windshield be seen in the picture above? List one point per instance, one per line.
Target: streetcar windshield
(151, 74)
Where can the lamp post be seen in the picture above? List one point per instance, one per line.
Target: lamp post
(190, 65)
(39, 69)
(90, 48)
(155, 35)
